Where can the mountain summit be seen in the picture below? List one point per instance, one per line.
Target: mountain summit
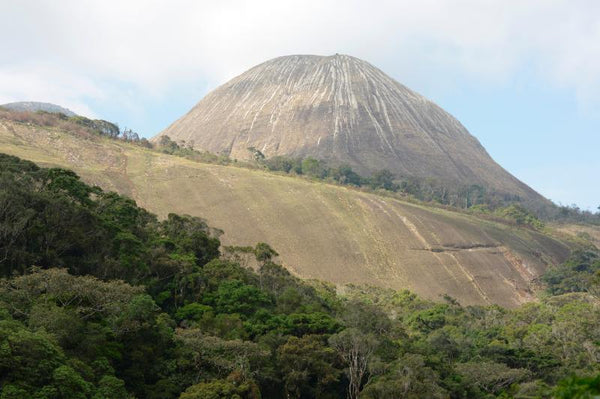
(342, 110)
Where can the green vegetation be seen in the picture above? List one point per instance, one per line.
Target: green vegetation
(581, 273)
(422, 189)
(473, 198)
(323, 231)
(100, 299)
(520, 216)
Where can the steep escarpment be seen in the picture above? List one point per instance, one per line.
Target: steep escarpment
(345, 111)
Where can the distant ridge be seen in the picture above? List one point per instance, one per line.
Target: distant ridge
(345, 111)
(35, 106)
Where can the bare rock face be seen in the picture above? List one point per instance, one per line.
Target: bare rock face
(345, 111)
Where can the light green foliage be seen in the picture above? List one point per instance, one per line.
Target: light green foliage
(69, 384)
(27, 359)
(408, 377)
(313, 167)
(221, 357)
(193, 312)
(236, 297)
(520, 216)
(491, 377)
(62, 296)
(221, 389)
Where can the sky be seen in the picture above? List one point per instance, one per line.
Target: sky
(522, 76)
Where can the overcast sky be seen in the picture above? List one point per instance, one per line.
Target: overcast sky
(522, 76)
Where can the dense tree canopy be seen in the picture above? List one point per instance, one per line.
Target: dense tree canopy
(100, 299)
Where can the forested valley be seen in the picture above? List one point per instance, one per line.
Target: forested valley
(101, 299)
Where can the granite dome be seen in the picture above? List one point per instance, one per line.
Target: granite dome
(345, 111)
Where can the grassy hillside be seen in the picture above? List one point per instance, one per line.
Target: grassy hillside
(320, 231)
(589, 233)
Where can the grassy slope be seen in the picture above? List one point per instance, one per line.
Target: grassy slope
(589, 233)
(321, 231)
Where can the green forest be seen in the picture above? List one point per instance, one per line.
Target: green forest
(101, 299)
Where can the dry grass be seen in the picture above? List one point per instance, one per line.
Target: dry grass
(320, 230)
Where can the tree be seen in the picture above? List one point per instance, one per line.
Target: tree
(222, 389)
(192, 234)
(313, 167)
(308, 366)
(520, 216)
(220, 358)
(345, 175)
(236, 297)
(356, 350)
(130, 135)
(383, 179)
(408, 377)
(167, 145)
(257, 155)
(280, 163)
(578, 388)
(88, 297)
(69, 384)
(111, 387)
(491, 377)
(264, 253)
(27, 359)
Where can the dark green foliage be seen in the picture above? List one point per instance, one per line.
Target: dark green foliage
(345, 175)
(48, 217)
(578, 388)
(264, 252)
(257, 155)
(147, 308)
(580, 273)
(383, 179)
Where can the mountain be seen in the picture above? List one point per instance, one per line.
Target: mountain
(323, 231)
(342, 110)
(34, 106)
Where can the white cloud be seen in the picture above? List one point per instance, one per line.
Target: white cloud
(124, 55)
(48, 85)
(154, 45)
